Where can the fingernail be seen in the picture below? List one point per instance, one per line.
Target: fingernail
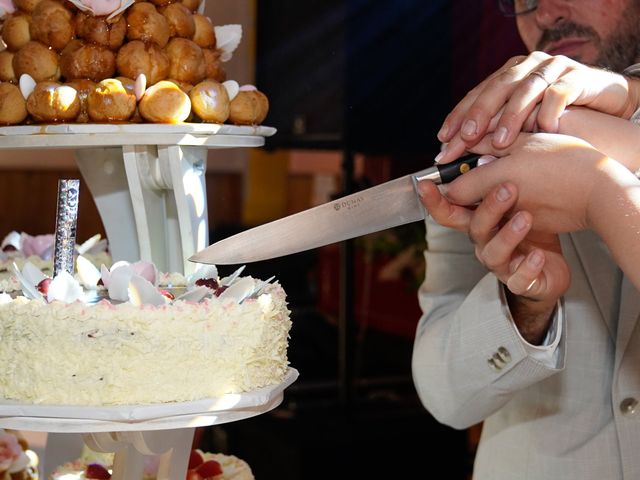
(443, 148)
(518, 223)
(443, 130)
(469, 128)
(500, 135)
(503, 194)
(515, 263)
(535, 259)
(485, 159)
(421, 188)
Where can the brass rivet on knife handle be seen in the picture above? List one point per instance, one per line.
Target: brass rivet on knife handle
(450, 171)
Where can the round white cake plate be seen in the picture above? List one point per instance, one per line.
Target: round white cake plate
(91, 135)
(78, 418)
(147, 180)
(147, 429)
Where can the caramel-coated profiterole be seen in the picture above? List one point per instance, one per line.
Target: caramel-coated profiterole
(97, 61)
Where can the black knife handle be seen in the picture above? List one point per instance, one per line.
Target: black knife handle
(450, 171)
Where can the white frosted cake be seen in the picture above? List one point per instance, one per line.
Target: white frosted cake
(139, 346)
(202, 466)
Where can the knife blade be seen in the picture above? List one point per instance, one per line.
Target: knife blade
(387, 205)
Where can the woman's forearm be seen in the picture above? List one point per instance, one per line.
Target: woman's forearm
(614, 213)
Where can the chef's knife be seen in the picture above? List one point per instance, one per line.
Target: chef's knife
(384, 206)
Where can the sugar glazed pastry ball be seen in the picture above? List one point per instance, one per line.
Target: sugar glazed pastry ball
(52, 24)
(6, 67)
(180, 18)
(130, 86)
(13, 107)
(38, 61)
(83, 86)
(138, 57)
(87, 60)
(165, 102)
(99, 30)
(210, 101)
(53, 102)
(15, 31)
(192, 5)
(213, 65)
(110, 101)
(249, 107)
(26, 5)
(145, 23)
(186, 62)
(204, 34)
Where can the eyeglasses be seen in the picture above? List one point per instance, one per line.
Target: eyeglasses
(512, 8)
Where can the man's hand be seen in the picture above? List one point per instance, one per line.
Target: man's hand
(530, 264)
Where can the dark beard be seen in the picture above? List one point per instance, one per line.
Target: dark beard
(617, 52)
(622, 48)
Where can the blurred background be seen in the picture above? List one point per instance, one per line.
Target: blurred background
(358, 90)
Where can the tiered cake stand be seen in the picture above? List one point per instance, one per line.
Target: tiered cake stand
(148, 183)
(135, 431)
(147, 180)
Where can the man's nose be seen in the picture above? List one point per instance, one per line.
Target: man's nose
(552, 12)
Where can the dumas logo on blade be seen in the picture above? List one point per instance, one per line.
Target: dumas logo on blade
(348, 204)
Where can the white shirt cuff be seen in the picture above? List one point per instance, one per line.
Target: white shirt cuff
(548, 353)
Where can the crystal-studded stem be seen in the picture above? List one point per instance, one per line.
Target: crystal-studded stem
(66, 225)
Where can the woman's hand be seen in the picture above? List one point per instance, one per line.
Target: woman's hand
(557, 183)
(531, 93)
(554, 176)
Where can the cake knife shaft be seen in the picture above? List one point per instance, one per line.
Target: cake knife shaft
(378, 208)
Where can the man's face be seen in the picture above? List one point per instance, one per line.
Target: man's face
(596, 32)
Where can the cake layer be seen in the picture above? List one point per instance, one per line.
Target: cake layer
(106, 354)
(226, 467)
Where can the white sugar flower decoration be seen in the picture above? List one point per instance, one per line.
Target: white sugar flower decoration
(103, 7)
(37, 286)
(227, 39)
(116, 279)
(6, 7)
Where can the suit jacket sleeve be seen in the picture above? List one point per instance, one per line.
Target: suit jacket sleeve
(468, 359)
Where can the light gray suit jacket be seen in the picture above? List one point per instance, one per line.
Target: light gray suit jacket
(578, 421)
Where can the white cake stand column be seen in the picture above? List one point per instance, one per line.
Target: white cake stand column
(152, 201)
(147, 180)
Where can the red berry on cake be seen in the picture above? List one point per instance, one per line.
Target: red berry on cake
(95, 471)
(211, 283)
(195, 459)
(193, 475)
(209, 469)
(168, 294)
(220, 289)
(43, 286)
